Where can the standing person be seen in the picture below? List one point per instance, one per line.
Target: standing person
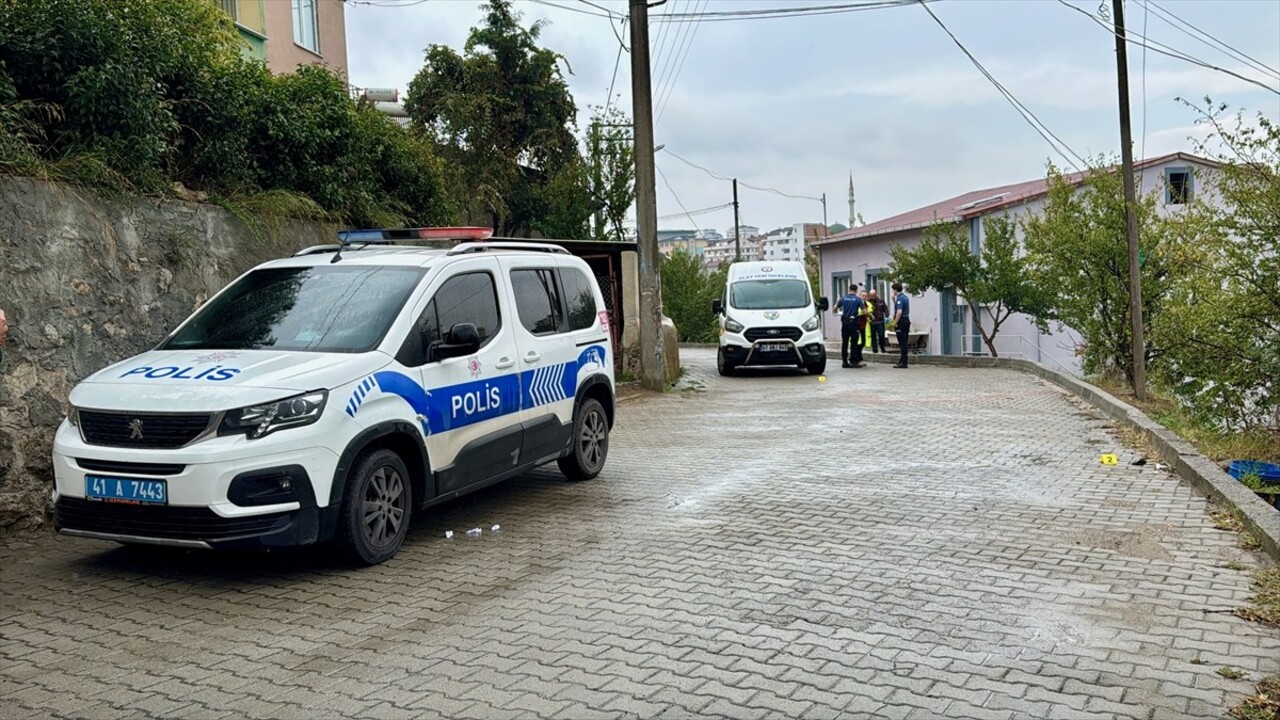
(901, 322)
(848, 308)
(879, 314)
(864, 320)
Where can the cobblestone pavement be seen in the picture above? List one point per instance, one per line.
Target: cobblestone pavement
(935, 542)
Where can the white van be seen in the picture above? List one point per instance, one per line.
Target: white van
(769, 317)
(332, 394)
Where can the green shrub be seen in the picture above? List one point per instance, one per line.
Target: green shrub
(141, 93)
(687, 292)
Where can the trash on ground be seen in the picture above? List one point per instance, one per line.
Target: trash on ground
(448, 534)
(495, 528)
(1139, 462)
(473, 532)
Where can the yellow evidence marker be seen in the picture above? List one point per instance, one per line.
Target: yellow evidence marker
(822, 378)
(1109, 459)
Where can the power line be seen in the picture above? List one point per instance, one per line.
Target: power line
(1167, 50)
(569, 8)
(669, 62)
(784, 12)
(729, 179)
(1035, 123)
(616, 61)
(683, 55)
(1142, 149)
(677, 197)
(702, 211)
(1167, 17)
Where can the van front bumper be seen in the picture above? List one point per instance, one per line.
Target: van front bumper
(797, 354)
(219, 494)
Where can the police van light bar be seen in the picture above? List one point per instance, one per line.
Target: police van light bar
(386, 236)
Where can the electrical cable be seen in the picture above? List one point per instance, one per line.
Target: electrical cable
(729, 179)
(1168, 18)
(1035, 123)
(677, 197)
(683, 55)
(786, 12)
(1165, 49)
(669, 61)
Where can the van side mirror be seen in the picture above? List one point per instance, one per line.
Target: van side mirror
(823, 305)
(717, 307)
(463, 339)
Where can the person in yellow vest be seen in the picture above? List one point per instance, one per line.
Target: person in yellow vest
(864, 321)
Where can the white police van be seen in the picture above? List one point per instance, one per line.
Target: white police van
(769, 317)
(332, 394)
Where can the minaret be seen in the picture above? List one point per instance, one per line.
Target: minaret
(853, 216)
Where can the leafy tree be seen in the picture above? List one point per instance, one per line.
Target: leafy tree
(503, 113)
(687, 292)
(1222, 331)
(137, 94)
(1078, 252)
(994, 283)
(612, 163)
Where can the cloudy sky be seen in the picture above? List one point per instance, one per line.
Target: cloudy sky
(797, 104)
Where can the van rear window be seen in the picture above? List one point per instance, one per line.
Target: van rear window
(311, 309)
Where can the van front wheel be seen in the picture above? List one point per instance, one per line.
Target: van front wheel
(818, 367)
(723, 366)
(376, 505)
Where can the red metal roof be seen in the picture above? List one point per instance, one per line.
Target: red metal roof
(978, 202)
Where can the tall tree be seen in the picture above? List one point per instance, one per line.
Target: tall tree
(1077, 252)
(612, 165)
(994, 283)
(1222, 330)
(503, 113)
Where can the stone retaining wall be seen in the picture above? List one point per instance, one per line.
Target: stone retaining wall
(87, 280)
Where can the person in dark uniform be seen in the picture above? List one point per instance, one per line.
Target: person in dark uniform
(901, 322)
(849, 308)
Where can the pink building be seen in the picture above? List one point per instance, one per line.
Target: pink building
(861, 255)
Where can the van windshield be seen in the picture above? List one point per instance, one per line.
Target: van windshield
(312, 309)
(769, 294)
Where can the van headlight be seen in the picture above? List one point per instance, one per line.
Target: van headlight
(733, 326)
(812, 323)
(257, 421)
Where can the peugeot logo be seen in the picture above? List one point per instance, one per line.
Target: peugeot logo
(135, 429)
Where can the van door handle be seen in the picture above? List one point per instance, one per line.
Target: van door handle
(532, 357)
(504, 363)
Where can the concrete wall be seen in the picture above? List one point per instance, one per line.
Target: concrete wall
(284, 55)
(86, 281)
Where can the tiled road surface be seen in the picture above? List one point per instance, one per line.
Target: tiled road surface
(939, 542)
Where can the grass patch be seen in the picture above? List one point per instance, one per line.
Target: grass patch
(1232, 520)
(1264, 604)
(1218, 445)
(1236, 565)
(1231, 673)
(1263, 706)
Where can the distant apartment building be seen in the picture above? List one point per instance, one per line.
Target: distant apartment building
(722, 252)
(745, 231)
(289, 33)
(691, 244)
(789, 243)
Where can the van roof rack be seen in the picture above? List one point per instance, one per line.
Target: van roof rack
(477, 247)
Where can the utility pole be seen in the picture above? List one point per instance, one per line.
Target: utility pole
(737, 225)
(597, 179)
(653, 368)
(824, 215)
(1130, 216)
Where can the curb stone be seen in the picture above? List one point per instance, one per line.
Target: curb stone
(1190, 464)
